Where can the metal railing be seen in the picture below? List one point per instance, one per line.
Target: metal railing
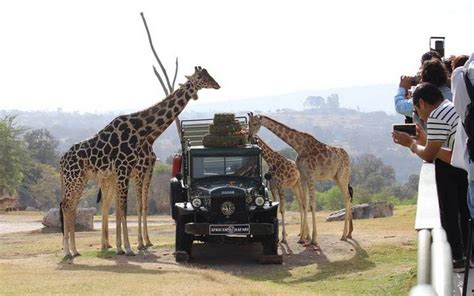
(434, 263)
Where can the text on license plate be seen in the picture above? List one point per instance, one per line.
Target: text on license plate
(224, 229)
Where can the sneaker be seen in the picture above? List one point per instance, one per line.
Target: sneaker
(459, 265)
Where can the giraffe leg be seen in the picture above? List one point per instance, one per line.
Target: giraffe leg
(274, 191)
(118, 227)
(139, 191)
(302, 204)
(122, 190)
(281, 196)
(72, 228)
(343, 183)
(305, 233)
(312, 207)
(146, 187)
(66, 210)
(72, 192)
(108, 195)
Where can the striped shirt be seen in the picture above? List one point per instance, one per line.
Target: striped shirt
(442, 123)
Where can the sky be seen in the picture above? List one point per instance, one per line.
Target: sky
(94, 56)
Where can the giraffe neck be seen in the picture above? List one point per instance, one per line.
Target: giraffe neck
(291, 136)
(158, 117)
(268, 154)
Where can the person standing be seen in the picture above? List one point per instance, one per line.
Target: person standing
(461, 100)
(436, 145)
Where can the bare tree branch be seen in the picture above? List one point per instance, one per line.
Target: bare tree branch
(154, 52)
(161, 81)
(170, 88)
(175, 74)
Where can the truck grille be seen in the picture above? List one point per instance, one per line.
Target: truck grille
(240, 214)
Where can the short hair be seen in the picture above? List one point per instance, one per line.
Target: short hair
(429, 92)
(434, 71)
(432, 54)
(459, 61)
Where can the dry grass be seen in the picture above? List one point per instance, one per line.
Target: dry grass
(380, 261)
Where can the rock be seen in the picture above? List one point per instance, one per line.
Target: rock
(84, 219)
(364, 211)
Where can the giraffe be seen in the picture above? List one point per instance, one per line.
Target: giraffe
(285, 174)
(316, 161)
(142, 174)
(111, 155)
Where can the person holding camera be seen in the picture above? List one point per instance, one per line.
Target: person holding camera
(436, 145)
(432, 70)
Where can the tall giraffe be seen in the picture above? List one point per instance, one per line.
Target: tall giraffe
(112, 154)
(316, 161)
(285, 174)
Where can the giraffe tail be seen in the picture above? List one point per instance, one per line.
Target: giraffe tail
(61, 217)
(351, 192)
(99, 195)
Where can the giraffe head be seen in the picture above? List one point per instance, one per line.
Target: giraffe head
(202, 79)
(254, 125)
(254, 140)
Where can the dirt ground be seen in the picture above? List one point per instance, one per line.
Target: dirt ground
(380, 258)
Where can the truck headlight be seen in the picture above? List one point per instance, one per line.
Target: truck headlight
(259, 201)
(196, 202)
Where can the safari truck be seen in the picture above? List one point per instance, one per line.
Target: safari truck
(218, 193)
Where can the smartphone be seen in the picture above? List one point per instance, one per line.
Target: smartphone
(409, 128)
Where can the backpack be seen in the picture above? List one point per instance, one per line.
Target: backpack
(469, 118)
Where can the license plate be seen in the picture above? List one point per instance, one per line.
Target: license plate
(226, 229)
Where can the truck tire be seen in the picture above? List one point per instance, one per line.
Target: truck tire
(184, 241)
(176, 195)
(270, 242)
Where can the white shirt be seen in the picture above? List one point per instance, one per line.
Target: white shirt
(460, 157)
(442, 124)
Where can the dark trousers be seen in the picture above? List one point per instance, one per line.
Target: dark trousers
(452, 184)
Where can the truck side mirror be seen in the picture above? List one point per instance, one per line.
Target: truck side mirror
(179, 176)
(267, 176)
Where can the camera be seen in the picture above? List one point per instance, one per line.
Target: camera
(438, 43)
(409, 128)
(414, 80)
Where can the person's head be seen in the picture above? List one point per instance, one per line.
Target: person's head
(426, 97)
(434, 71)
(459, 61)
(432, 54)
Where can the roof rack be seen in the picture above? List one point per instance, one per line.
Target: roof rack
(194, 130)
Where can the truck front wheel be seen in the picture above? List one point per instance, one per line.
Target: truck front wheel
(270, 242)
(184, 241)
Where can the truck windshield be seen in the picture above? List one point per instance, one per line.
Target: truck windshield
(224, 166)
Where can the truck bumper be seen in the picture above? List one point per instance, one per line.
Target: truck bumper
(229, 229)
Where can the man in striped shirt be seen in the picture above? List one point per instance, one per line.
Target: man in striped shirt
(441, 124)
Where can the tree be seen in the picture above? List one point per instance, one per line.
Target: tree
(332, 101)
(46, 191)
(12, 156)
(370, 172)
(314, 102)
(42, 146)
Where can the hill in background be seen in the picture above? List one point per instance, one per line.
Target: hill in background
(358, 132)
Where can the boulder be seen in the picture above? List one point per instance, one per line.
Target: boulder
(364, 211)
(84, 219)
